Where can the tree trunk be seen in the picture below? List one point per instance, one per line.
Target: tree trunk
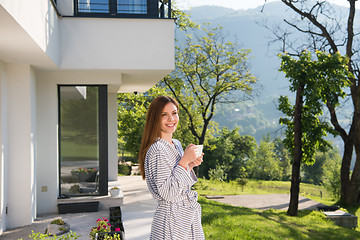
(295, 176)
(352, 194)
(345, 171)
(352, 191)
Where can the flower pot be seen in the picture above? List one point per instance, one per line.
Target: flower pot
(100, 236)
(86, 177)
(78, 207)
(114, 192)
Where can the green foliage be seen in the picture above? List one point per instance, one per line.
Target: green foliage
(207, 187)
(116, 236)
(283, 155)
(218, 173)
(317, 172)
(229, 150)
(208, 69)
(58, 221)
(124, 169)
(241, 180)
(331, 178)
(102, 226)
(78, 124)
(323, 80)
(132, 109)
(265, 165)
(68, 236)
(183, 21)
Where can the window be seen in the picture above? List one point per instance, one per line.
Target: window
(83, 140)
(93, 6)
(122, 8)
(132, 6)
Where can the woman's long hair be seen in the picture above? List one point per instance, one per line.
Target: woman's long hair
(152, 129)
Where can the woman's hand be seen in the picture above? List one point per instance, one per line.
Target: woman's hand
(196, 162)
(189, 156)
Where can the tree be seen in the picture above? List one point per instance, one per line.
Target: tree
(315, 82)
(264, 165)
(230, 151)
(209, 70)
(331, 178)
(132, 109)
(325, 29)
(313, 173)
(317, 172)
(283, 155)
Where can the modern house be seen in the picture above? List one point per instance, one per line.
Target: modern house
(62, 64)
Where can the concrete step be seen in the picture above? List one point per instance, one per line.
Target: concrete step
(343, 219)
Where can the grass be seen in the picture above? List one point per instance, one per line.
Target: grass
(317, 193)
(222, 221)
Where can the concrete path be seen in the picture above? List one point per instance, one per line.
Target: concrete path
(266, 201)
(138, 209)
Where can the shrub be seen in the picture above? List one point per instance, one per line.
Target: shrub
(39, 236)
(124, 169)
(218, 173)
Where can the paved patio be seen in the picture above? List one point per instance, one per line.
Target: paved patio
(137, 212)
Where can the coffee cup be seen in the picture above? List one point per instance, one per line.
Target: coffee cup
(199, 150)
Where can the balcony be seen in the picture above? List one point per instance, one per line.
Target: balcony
(136, 51)
(156, 9)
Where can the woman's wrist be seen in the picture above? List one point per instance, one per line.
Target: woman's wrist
(181, 165)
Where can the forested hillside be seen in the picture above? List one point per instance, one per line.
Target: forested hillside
(258, 117)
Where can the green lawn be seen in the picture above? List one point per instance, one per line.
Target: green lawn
(222, 221)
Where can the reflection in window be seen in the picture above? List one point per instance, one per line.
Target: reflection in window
(118, 6)
(132, 6)
(93, 6)
(79, 140)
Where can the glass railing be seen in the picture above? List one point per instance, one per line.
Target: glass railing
(123, 8)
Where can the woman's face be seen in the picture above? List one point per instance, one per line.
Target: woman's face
(169, 119)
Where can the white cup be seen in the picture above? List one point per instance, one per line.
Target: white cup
(199, 150)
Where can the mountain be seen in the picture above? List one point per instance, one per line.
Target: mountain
(246, 27)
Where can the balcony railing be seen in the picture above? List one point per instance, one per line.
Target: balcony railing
(123, 8)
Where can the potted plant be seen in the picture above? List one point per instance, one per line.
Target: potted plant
(57, 227)
(103, 226)
(85, 174)
(114, 191)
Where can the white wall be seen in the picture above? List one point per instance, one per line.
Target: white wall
(47, 134)
(112, 142)
(3, 145)
(38, 18)
(21, 145)
(47, 146)
(125, 44)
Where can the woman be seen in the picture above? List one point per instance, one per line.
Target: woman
(169, 174)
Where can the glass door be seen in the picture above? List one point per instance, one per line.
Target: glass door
(83, 140)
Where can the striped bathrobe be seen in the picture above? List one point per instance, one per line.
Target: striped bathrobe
(178, 214)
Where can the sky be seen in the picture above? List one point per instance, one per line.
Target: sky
(235, 4)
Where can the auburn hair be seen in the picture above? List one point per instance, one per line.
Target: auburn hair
(152, 129)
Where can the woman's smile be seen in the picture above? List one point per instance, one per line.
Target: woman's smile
(169, 120)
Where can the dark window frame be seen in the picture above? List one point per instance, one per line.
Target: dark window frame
(103, 138)
(152, 11)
